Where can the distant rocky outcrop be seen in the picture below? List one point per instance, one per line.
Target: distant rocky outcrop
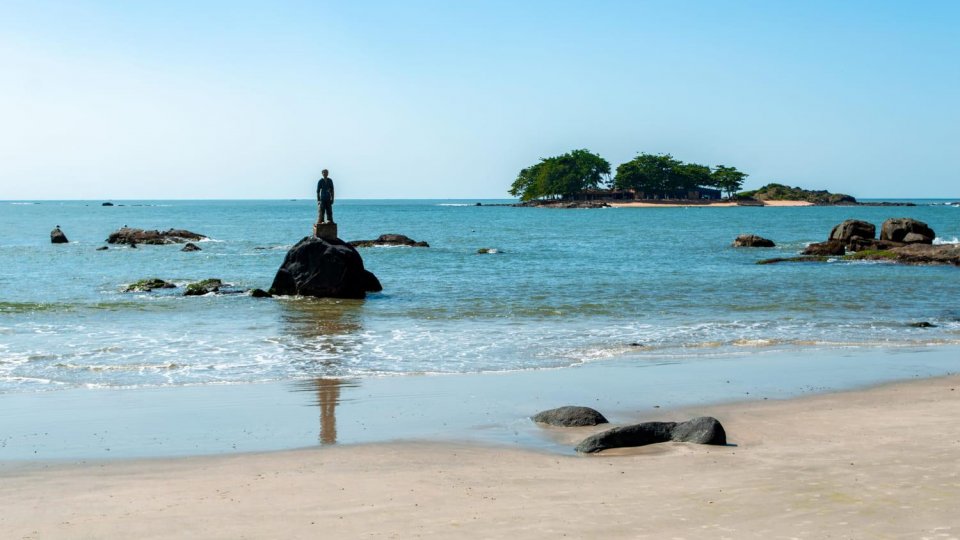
(57, 236)
(902, 240)
(570, 416)
(701, 430)
(326, 268)
(906, 230)
(541, 203)
(128, 235)
(389, 240)
(752, 240)
(780, 192)
(147, 285)
(107, 204)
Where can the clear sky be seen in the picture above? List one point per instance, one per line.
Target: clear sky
(449, 99)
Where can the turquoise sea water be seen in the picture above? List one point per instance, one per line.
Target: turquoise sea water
(567, 287)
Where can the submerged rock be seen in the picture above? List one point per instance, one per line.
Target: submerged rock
(107, 204)
(906, 230)
(570, 416)
(752, 240)
(57, 236)
(701, 430)
(128, 235)
(922, 324)
(191, 247)
(102, 248)
(389, 240)
(147, 285)
(485, 251)
(325, 268)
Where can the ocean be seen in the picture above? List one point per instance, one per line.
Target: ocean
(566, 287)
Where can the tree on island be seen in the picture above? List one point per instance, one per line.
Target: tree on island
(727, 179)
(562, 176)
(662, 174)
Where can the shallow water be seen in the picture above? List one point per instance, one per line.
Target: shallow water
(568, 287)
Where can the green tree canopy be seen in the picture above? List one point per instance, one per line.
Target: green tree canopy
(727, 179)
(648, 173)
(561, 176)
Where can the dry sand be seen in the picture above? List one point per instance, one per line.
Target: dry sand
(707, 204)
(880, 463)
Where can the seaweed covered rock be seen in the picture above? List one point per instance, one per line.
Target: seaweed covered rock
(700, 430)
(389, 240)
(752, 240)
(201, 288)
(128, 235)
(570, 416)
(325, 268)
(906, 230)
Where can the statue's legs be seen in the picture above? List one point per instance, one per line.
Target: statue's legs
(326, 210)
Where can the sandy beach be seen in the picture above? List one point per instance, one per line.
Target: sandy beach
(876, 463)
(638, 204)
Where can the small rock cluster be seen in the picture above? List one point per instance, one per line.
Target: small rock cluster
(389, 240)
(700, 430)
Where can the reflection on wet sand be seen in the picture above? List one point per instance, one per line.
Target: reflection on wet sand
(332, 327)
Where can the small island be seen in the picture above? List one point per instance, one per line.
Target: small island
(582, 179)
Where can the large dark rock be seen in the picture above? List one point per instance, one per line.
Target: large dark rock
(128, 235)
(828, 248)
(389, 240)
(701, 430)
(57, 236)
(570, 416)
(325, 268)
(870, 244)
(853, 227)
(752, 240)
(906, 230)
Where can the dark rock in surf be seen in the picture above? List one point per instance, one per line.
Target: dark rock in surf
(922, 324)
(147, 285)
(702, 430)
(191, 247)
(131, 236)
(570, 416)
(752, 240)
(906, 230)
(389, 240)
(57, 236)
(853, 227)
(830, 247)
(325, 268)
(260, 293)
(102, 248)
(107, 204)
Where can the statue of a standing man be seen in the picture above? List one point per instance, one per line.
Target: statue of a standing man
(325, 197)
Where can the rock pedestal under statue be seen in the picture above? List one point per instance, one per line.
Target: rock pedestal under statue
(327, 231)
(325, 268)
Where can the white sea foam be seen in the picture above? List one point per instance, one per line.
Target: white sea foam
(941, 241)
(455, 204)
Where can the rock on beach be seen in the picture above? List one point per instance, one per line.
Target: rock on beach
(700, 430)
(570, 416)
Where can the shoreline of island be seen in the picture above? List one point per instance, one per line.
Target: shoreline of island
(876, 461)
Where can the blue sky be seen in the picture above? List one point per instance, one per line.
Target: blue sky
(112, 100)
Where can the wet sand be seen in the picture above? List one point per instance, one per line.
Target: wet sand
(877, 463)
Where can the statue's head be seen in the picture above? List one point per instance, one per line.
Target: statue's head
(325, 173)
